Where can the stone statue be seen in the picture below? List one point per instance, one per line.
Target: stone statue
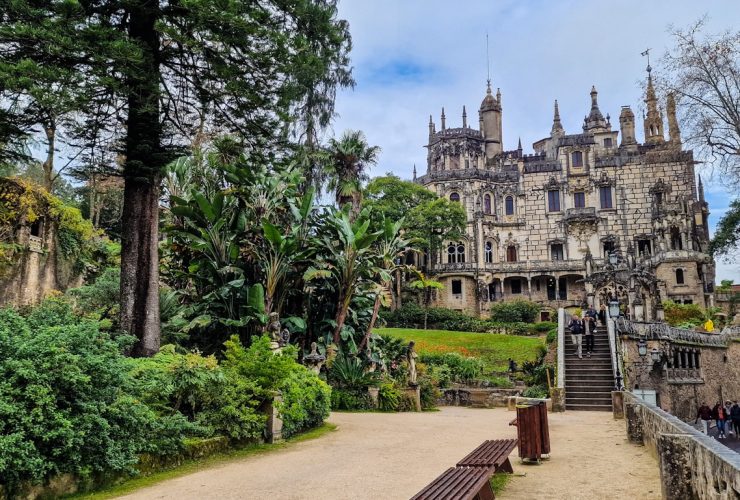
(284, 337)
(314, 360)
(411, 356)
(273, 327)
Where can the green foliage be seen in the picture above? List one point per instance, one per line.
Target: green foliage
(724, 286)
(260, 363)
(395, 198)
(436, 221)
(100, 299)
(461, 369)
(67, 401)
(306, 401)
(515, 311)
(389, 396)
(537, 391)
(349, 372)
(687, 315)
(727, 235)
(552, 336)
(350, 399)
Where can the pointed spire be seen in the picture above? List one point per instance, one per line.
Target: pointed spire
(498, 96)
(431, 126)
(414, 171)
(519, 146)
(443, 118)
(674, 133)
(595, 119)
(557, 127)
(653, 120)
(465, 118)
(701, 190)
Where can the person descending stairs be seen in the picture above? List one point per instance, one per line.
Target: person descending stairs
(589, 380)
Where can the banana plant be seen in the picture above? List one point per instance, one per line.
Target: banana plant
(346, 258)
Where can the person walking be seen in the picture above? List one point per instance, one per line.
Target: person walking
(735, 415)
(589, 327)
(728, 415)
(576, 334)
(720, 417)
(602, 315)
(705, 414)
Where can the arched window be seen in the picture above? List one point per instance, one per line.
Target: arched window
(487, 204)
(576, 159)
(488, 250)
(455, 253)
(509, 202)
(679, 277)
(511, 253)
(455, 197)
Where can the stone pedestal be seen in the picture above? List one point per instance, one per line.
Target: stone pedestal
(274, 429)
(676, 469)
(618, 404)
(511, 403)
(373, 392)
(557, 395)
(414, 393)
(634, 423)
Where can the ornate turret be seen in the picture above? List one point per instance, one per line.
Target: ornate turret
(627, 126)
(465, 118)
(701, 190)
(443, 118)
(674, 133)
(414, 171)
(653, 120)
(431, 126)
(557, 127)
(595, 119)
(490, 117)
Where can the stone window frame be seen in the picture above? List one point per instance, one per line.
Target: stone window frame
(513, 204)
(509, 248)
(456, 256)
(552, 246)
(488, 251)
(611, 199)
(488, 203)
(573, 157)
(453, 284)
(575, 202)
(557, 207)
(456, 195)
(680, 276)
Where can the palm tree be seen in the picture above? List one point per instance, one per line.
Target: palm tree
(349, 159)
(427, 285)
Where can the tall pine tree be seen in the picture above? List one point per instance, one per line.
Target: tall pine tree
(153, 73)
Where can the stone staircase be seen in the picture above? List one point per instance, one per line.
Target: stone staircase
(589, 381)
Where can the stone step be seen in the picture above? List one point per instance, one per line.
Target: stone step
(585, 379)
(585, 370)
(588, 407)
(588, 389)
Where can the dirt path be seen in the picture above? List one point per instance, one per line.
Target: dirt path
(388, 456)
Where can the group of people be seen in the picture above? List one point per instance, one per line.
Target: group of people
(726, 416)
(585, 328)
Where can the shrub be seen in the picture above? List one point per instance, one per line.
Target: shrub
(683, 314)
(350, 399)
(306, 401)
(67, 403)
(543, 326)
(462, 369)
(100, 300)
(552, 335)
(535, 391)
(349, 373)
(389, 397)
(515, 311)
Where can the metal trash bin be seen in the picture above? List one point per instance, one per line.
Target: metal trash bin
(533, 432)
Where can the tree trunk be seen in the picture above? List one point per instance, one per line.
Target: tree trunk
(370, 327)
(145, 158)
(343, 307)
(48, 165)
(397, 303)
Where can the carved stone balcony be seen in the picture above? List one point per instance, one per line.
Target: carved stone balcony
(581, 214)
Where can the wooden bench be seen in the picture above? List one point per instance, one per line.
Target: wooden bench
(463, 483)
(491, 454)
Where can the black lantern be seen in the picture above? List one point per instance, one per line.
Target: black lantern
(642, 347)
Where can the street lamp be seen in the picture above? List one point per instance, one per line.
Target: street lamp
(614, 308)
(642, 347)
(656, 355)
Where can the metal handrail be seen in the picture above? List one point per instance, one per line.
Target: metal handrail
(560, 379)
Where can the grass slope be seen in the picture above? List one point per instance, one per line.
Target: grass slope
(495, 350)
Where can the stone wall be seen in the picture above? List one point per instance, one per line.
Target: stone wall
(681, 392)
(692, 465)
(477, 397)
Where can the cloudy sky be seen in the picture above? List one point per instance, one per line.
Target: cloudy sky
(412, 57)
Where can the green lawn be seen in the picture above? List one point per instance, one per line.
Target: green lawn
(495, 350)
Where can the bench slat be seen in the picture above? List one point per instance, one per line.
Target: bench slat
(462, 483)
(491, 453)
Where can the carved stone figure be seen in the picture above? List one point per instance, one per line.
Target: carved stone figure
(273, 327)
(314, 360)
(411, 357)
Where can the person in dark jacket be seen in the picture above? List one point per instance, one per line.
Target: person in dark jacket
(705, 413)
(602, 315)
(728, 413)
(576, 334)
(735, 414)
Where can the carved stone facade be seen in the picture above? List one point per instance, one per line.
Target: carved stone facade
(541, 226)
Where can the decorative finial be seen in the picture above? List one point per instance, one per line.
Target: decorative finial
(647, 53)
(414, 171)
(443, 118)
(465, 118)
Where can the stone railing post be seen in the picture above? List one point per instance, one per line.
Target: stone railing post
(634, 422)
(674, 452)
(274, 428)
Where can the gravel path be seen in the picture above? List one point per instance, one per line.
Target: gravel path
(389, 456)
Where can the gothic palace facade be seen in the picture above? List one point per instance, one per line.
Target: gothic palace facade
(542, 226)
